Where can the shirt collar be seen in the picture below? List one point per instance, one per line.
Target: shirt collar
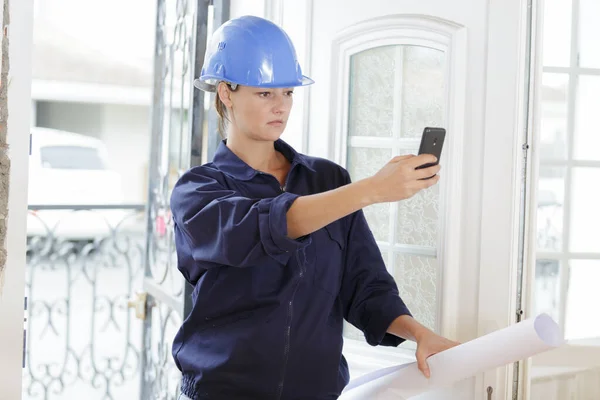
(229, 163)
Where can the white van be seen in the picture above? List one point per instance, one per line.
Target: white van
(65, 170)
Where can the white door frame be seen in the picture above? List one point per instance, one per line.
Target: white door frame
(505, 133)
(13, 289)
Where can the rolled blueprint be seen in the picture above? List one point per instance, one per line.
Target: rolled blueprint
(505, 346)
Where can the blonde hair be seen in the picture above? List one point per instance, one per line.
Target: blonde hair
(222, 109)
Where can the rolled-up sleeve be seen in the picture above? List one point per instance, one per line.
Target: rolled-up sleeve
(272, 221)
(369, 293)
(223, 228)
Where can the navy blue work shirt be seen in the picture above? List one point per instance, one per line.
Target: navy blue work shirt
(268, 311)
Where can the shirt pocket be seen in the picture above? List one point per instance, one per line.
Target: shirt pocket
(330, 247)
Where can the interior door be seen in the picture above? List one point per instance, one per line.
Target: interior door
(386, 69)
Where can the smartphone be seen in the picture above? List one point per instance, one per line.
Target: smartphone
(432, 142)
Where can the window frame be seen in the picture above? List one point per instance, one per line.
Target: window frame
(450, 38)
(564, 256)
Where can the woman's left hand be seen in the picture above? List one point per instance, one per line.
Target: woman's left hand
(429, 344)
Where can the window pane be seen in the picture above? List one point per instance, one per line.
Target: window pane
(547, 288)
(423, 89)
(553, 133)
(589, 33)
(350, 331)
(585, 210)
(364, 162)
(550, 198)
(378, 217)
(416, 278)
(582, 317)
(587, 136)
(418, 219)
(396, 91)
(557, 32)
(372, 88)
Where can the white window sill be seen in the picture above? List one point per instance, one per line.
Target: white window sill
(593, 342)
(363, 358)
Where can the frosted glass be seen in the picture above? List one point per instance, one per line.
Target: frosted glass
(371, 105)
(423, 90)
(416, 278)
(365, 162)
(418, 219)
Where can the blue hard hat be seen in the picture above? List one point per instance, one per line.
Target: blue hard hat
(251, 51)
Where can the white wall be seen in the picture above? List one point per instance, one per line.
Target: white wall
(71, 117)
(11, 299)
(125, 130)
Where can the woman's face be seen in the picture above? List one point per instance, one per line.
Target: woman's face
(258, 113)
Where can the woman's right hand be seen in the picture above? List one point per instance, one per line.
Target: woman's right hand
(399, 179)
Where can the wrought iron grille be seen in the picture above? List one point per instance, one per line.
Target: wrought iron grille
(178, 137)
(83, 263)
(83, 341)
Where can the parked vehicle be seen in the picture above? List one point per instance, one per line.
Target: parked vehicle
(71, 170)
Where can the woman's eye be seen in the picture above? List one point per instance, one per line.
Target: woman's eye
(264, 94)
(290, 93)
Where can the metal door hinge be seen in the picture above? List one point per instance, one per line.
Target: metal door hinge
(25, 333)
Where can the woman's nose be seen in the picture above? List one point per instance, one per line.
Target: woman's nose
(281, 105)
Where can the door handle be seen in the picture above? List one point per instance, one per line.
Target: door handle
(139, 304)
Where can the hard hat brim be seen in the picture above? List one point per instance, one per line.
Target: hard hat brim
(208, 85)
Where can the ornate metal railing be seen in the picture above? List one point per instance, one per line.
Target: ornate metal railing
(83, 265)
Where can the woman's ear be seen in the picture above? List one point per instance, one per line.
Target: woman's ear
(224, 94)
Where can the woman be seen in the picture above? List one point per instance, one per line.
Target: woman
(275, 242)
